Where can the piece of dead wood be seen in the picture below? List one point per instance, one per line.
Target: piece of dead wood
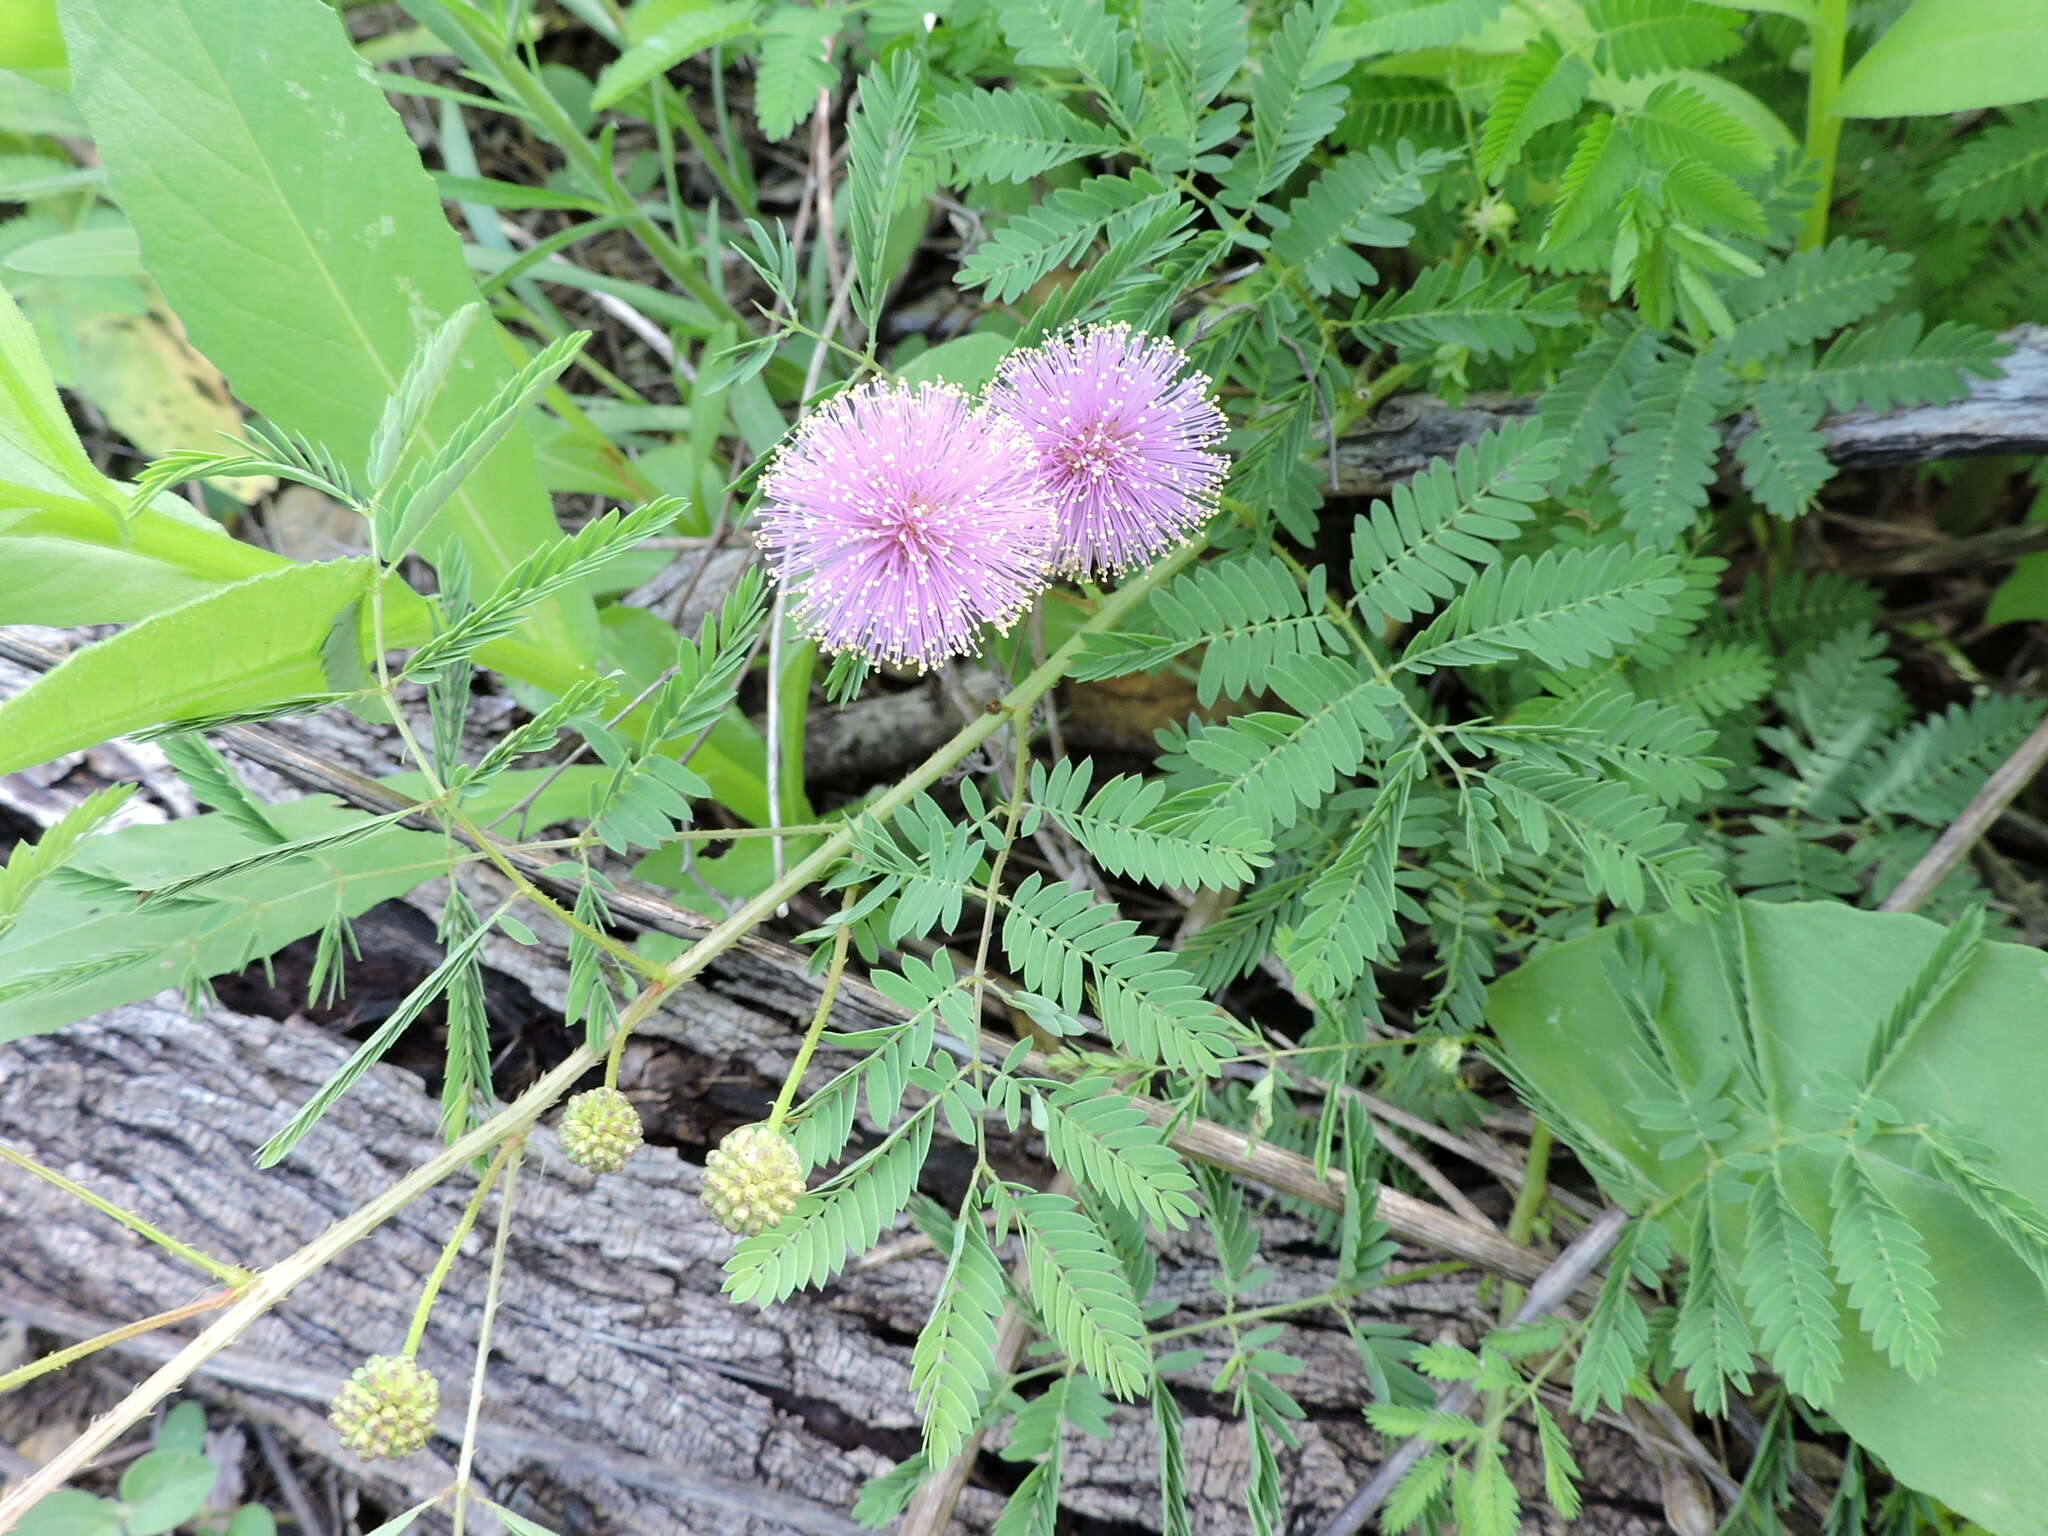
(2005, 414)
(626, 1392)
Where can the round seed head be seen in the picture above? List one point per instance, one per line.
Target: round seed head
(387, 1408)
(600, 1130)
(752, 1180)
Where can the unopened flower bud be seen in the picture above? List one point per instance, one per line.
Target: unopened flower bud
(600, 1130)
(753, 1179)
(1493, 220)
(387, 1408)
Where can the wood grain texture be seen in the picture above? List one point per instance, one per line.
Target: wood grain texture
(626, 1394)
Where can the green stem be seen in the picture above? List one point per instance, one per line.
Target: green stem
(1251, 1314)
(1528, 1200)
(1830, 37)
(620, 951)
(57, 1359)
(227, 1274)
(1384, 384)
(493, 1288)
(840, 943)
(453, 1246)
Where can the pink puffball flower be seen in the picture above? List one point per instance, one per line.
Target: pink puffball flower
(901, 519)
(1124, 429)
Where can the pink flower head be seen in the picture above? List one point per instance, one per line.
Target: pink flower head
(1123, 429)
(903, 519)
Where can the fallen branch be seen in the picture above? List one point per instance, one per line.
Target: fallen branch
(2007, 414)
(1985, 807)
(1410, 1219)
(621, 1378)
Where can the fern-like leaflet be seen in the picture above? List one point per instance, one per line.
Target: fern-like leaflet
(830, 1225)
(1106, 1143)
(952, 1367)
(1882, 1264)
(1425, 543)
(1249, 614)
(1564, 608)
(1356, 202)
(1082, 1296)
(1125, 828)
(1791, 1295)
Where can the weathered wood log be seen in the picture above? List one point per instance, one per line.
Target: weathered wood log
(625, 1392)
(2005, 414)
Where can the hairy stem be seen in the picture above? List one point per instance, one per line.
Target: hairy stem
(840, 943)
(228, 1274)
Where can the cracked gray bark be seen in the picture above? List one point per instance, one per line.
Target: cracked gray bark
(625, 1393)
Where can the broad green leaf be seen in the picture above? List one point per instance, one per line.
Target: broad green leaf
(80, 950)
(243, 648)
(83, 947)
(38, 445)
(1927, 1224)
(1952, 56)
(70, 1512)
(183, 1429)
(165, 1489)
(968, 361)
(64, 563)
(73, 557)
(106, 252)
(30, 863)
(278, 196)
(29, 39)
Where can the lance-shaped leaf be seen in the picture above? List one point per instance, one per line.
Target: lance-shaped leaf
(247, 647)
(285, 214)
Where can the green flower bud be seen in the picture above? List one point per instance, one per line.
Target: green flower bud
(752, 1180)
(387, 1407)
(600, 1130)
(1493, 220)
